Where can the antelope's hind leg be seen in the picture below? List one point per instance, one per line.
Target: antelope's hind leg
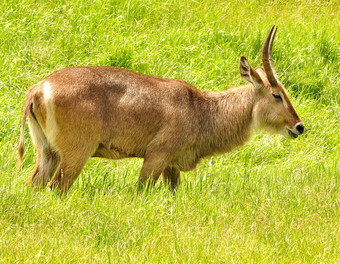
(47, 163)
(73, 160)
(48, 158)
(35, 171)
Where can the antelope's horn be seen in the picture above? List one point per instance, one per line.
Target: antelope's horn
(267, 57)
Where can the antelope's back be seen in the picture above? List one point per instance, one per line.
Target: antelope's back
(116, 106)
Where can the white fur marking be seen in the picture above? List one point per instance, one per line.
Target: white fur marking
(284, 100)
(51, 128)
(255, 120)
(47, 91)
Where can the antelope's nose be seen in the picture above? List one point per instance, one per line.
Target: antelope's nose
(300, 127)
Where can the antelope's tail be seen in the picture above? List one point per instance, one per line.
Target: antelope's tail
(21, 146)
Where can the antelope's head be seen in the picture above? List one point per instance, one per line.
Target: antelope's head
(273, 110)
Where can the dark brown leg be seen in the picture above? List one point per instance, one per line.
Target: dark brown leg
(153, 166)
(171, 176)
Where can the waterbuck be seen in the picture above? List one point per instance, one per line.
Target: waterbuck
(102, 111)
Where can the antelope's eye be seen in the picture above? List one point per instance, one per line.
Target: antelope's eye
(277, 96)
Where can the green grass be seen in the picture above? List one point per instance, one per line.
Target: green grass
(273, 200)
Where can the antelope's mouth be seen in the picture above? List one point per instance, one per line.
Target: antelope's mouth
(291, 133)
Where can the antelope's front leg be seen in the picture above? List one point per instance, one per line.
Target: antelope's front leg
(171, 176)
(153, 166)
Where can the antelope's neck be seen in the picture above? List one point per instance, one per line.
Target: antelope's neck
(231, 118)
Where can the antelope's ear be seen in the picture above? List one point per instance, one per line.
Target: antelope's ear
(248, 73)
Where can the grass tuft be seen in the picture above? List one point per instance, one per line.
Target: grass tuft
(272, 200)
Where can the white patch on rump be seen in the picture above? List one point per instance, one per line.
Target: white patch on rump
(47, 91)
(51, 128)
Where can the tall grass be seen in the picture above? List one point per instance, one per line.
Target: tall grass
(273, 200)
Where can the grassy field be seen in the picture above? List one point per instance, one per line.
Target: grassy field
(273, 200)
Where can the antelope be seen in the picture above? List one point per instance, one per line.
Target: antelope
(109, 112)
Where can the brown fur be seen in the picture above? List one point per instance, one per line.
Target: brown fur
(114, 113)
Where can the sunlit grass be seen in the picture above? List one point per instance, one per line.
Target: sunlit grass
(273, 200)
